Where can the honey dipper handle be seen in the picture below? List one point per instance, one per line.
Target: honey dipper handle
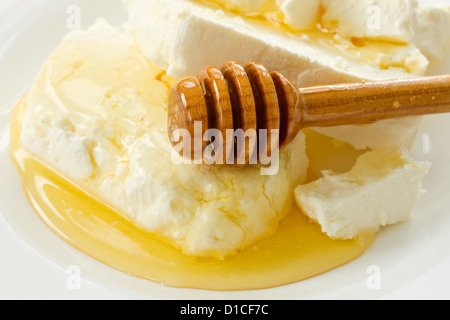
(335, 105)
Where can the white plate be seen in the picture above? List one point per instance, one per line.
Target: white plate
(413, 258)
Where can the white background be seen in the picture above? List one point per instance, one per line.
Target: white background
(29, 267)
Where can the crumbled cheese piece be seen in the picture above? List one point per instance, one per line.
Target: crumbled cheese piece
(383, 188)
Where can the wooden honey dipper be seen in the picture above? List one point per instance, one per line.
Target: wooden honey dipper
(249, 97)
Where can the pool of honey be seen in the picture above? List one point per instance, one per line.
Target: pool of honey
(298, 250)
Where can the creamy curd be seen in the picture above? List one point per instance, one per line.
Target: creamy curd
(382, 188)
(380, 33)
(97, 114)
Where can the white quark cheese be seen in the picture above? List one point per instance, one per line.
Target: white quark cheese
(389, 20)
(432, 31)
(425, 28)
(97, 114)
(383, 188)
(300, 14)
(184, 36)
(382, 134)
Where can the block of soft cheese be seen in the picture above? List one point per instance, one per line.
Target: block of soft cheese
(432, 32)
(382, 188)
(183, 36)
(97, 115)
(381, 134)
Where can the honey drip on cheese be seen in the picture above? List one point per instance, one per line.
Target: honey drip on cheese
(299, 250)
